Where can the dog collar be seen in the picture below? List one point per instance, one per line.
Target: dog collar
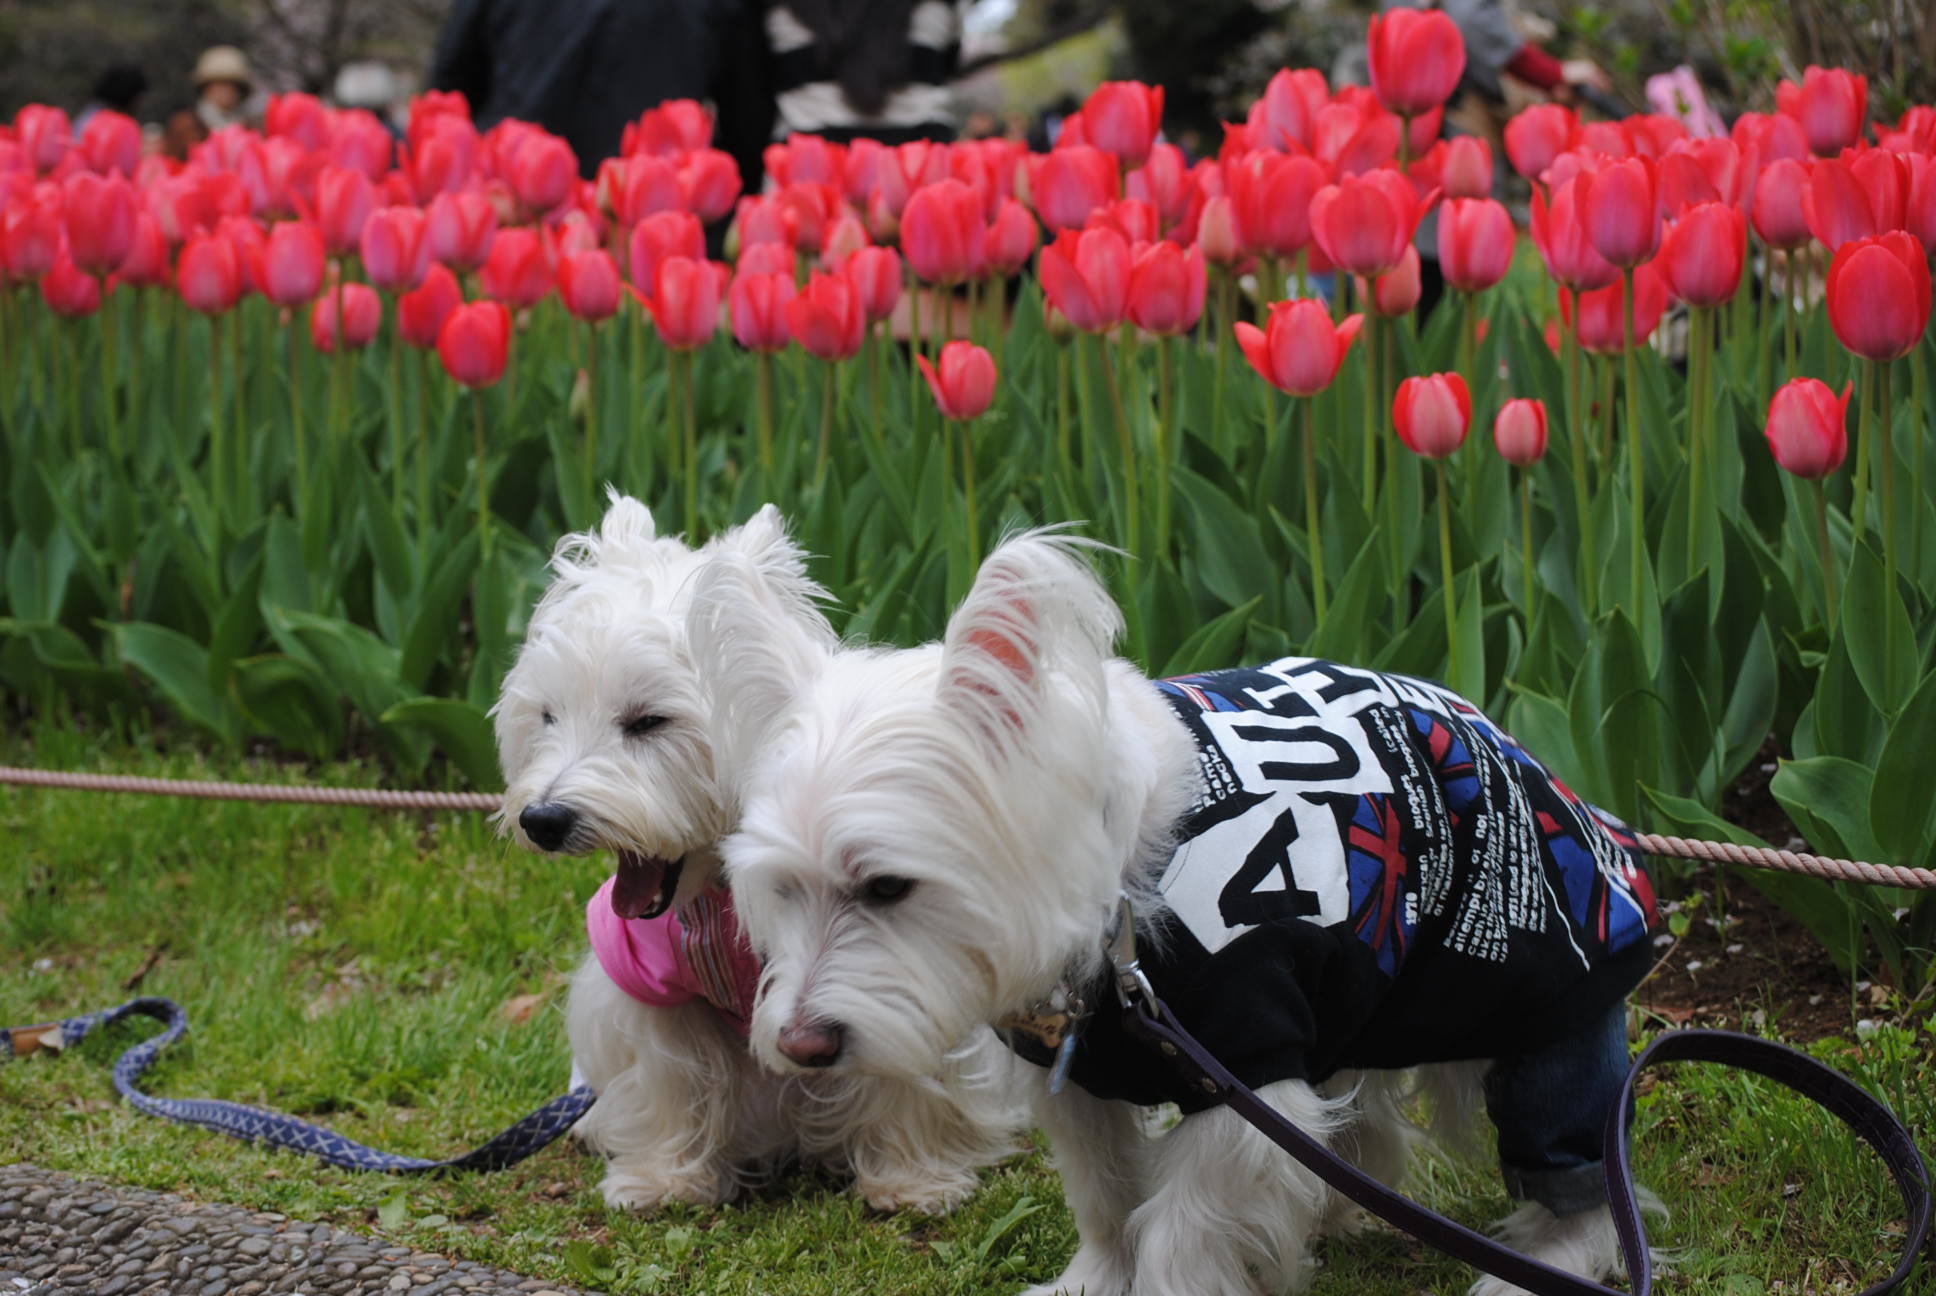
(1055, 1023)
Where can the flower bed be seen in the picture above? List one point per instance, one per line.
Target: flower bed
(290, 429)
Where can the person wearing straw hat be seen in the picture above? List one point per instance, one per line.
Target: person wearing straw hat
(223, 84)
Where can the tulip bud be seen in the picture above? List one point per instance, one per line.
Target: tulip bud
(362, 316)
(1122, 118)
(518, 272)
(1808, 427)
(421, 312)
(289, 265)
(1879, 295)
(1476, 239)
(1433, 413)
(396, 248)
(588, 284)
(828, 318)
(1086, 277)
(68, 290)
(964, 382)
(1703, 252)
(475, 343)
(1396, 292)
(875, 273)
(758, 307)
(1166, 288)
(1417, 58)
(1520, 432)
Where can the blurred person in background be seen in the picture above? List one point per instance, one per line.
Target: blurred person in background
(223, 83)
(372, 86)
(879, 68)
(584, 69)
(118, 89)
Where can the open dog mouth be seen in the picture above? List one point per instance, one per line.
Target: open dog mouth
(644, 884)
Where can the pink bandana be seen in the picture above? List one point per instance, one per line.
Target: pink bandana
(692, 953)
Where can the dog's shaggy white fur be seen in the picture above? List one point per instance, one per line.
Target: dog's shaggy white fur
(684, 1112)
(936, 837)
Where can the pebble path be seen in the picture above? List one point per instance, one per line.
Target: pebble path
(61, 1234)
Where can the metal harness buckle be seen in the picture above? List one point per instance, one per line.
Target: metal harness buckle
(1119, 944)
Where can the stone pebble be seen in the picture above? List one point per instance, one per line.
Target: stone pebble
(60, 1234)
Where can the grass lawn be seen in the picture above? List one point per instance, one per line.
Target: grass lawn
(355, 967)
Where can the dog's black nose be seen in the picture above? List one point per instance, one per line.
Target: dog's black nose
(812, 1044)
(548, 823)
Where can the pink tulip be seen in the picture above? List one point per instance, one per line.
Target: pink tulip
(1417, 58)
(1364, 223)
(396, 248)
(1537, 135)
(1560, 236)
(421, 312)
(1520, 432)
(875, 273)
(1396, 292)
(289, 266)
(1808, 427)
(475, 343)
(658, 237)
(1433, 413)
(1086, 277)
(1476, 239)
(1620, 207)
(1069, 183)
(1780, 204)
(519, 271)
(942, 233)
(112, 142)
(1300, 350)
(100, 216)
(209, 274)
(828, 318)
(68, 290)
(362, 316)
(1832, 105)
(1467, 169)
(1010, 239)
(964, 382)
(543, 173)
(589, 285)
(758, 307)
(1271, 197)
(1166, 288)
(344, 201)
(460, 228)
(1122, 118)
(1703, 253)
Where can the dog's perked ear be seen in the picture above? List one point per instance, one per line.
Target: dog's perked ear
(627, 522)
(1035, 611)
(756, 622)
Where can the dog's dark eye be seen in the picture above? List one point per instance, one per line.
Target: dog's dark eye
(549, 718)
(640, 726)
(886, 888)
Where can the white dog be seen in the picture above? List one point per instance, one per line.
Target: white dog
(1333, 872)
(605, 736)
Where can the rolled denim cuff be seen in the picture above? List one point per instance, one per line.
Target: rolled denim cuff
(1564, 1192)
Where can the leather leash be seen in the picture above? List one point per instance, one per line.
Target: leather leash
(1146, 1019)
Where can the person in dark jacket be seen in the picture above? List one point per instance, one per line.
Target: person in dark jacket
(583, 69)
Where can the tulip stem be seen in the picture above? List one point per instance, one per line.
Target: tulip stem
(1918, 397)
(296, 401)
(826, 426)
(216, 450)
(1827, 553)
(763, 366)
(1456, 677)
(238, 450)
(1526, 543)
(1226, 320)
(873, 345)
(1111, 381)
(1165, 420)
(689, 412)
(483, 486)
(1886, 465)
(913, 299)
(1636, 457)
(1369, 487)
(423, 465)
(1062, 453)
(1582, 506)
(1701, 324)
(1859, 512)
(110, 371)
(591, 422)
(1468, 342)
(1311, 526)
(968, 491)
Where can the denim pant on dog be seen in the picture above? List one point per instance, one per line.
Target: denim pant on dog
(1551, 1107)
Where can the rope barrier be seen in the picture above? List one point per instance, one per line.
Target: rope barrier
(1655, 844)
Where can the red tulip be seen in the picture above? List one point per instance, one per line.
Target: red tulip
(421, 312)
(1520, 431)
(460, 228)
(1879, 294)
(1122, 118)
(249, 240)
(1884, 178)
(1620, 207)
(442, 158)
(1010, 239)
(1808, 427)
(964, 382)
(1069, 183)
(1476, 239)
(1164, 182)
(1770, 136)
(30, 237)
(758, 307)
(1781, 204)
(1599, 316)
(709, 182)
(1132, 218)
(396, 248)
(763, 219)
(1417, 58)
(901, 170)
(1919, 205)
(1166, 288)
(475, 343)
(846, 235)
(1433, 413)
(1537, 135)
(1287, 113)
(942, 233)
(828, 318)
(875, 273)
(44, 134)
(344, 201)
(1271, 197)
(1299, 350)
(1467, 169)
(1086, 277)
(1217, 233)
(1837, 205)
(544, 171)
(361, 143)
(302, 117)
(642, 185)
(1356, 134)
(209, 274)
(147, 261)
(112, 142)
(68, 290)
(1703, 252)
(289, 266)
(1364, 223)
(518, 272)
(362, 316)
(1397, 291)
(766, 258)
(675, 126)
(659, 236)
(1832, 105)
(806, 159)
(589, 285)
(100, 220)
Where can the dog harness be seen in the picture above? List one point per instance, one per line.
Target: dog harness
(697, 952)
(1372, 875)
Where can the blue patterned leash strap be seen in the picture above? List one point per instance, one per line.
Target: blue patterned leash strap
(255, 1125)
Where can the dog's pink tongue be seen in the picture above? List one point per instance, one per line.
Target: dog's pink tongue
(635, 888)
